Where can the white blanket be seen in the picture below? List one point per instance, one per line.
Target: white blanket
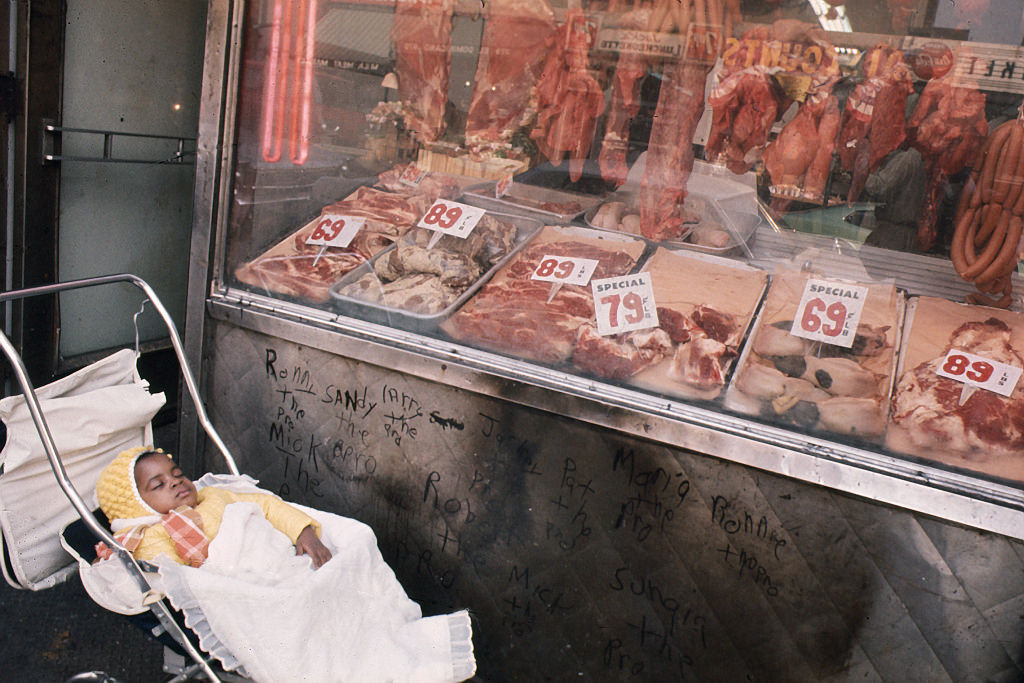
(255, 604)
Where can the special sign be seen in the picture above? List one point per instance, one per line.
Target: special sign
(624, 303)
(829, 312)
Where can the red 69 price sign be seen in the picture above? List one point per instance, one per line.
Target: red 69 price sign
(451, 218)
(566, 270)
(979, 371)
(624, 303)
(335, 230)
(829, 312)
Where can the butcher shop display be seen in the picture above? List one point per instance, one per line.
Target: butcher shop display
(875, 118)
(415, 278)
(948, 127)
(937, 413)
(705, 305)
(516, 40)
(987, 237)
(293, 267)
(569, 98)
(422, 36)
(518, 315)
(816, 385)
(409, 179)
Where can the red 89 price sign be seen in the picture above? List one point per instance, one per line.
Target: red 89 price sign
(566, 270)
(624, 303)
(979, 371)
(829, 312)
(451, 218)
(335, 231)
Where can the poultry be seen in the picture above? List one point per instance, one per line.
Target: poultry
(948, 126)
(569, 98)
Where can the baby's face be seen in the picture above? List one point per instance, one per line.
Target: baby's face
(162, 484)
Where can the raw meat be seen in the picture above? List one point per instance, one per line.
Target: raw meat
(416, 293)
(625, 103)
(422, 36)
(700, 363)
(569, 99)
(948, 126)
(799, 160)
(745, 105)
(927, 407)
(619, 356)
(512, 56)
(294, 268)
(875, 119)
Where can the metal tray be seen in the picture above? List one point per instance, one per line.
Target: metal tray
(740, 226)
(522, 199)
(527, 229)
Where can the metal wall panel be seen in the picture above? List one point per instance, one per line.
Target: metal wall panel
(586, 554)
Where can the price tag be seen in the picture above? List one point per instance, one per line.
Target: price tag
(412, 175)
(829, 312)
(624, 303)
(334, 230)
(450, 218)
(979, 372)
(566, 270)
(502, 187)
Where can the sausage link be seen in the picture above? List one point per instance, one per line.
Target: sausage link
(993, 246)
(1007, 166)
(1007, 253)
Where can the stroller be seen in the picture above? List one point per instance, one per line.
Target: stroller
(99, 411)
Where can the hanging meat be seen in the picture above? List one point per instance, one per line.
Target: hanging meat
(948, 127)
(625, 102)
(987, 237)
(680, 105)
(516, 39)
(569, 99)
(748, 99)
(875, 121)
(800, 158)
(422, 36)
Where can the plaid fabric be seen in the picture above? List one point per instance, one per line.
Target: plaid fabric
(183, 525)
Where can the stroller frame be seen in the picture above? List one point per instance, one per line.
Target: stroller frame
(159, 608)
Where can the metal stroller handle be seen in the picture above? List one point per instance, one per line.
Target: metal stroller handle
(159, 608)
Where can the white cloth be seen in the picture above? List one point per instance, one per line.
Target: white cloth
(92, 415)
(255, 604)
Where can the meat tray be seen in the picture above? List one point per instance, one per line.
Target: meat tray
(525, 199)
(844, 400)
(739, 226)
(527, 229)
(932, 418)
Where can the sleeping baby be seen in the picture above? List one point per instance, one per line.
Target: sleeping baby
(154, 508)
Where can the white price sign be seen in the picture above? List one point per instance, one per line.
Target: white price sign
(829, 312)
(979, 372)
(451, 218)
(624, 303)
(566, 270)
(502, 187)
(334, 230)
(412, 175)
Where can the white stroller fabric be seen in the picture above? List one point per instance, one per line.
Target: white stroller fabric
(93, 415)
(255, 604)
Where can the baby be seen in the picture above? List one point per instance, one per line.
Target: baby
(155, 509)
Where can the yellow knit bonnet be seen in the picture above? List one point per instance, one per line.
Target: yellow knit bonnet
(116, 489)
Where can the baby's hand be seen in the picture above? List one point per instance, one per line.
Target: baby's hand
(308, 543)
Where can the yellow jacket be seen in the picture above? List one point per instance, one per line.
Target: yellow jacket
(285, 518)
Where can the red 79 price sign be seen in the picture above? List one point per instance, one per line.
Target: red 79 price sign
(979, 371)
(829, 312)
(451, 218)
(624, 303)
(566, 270)
(335, 231)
